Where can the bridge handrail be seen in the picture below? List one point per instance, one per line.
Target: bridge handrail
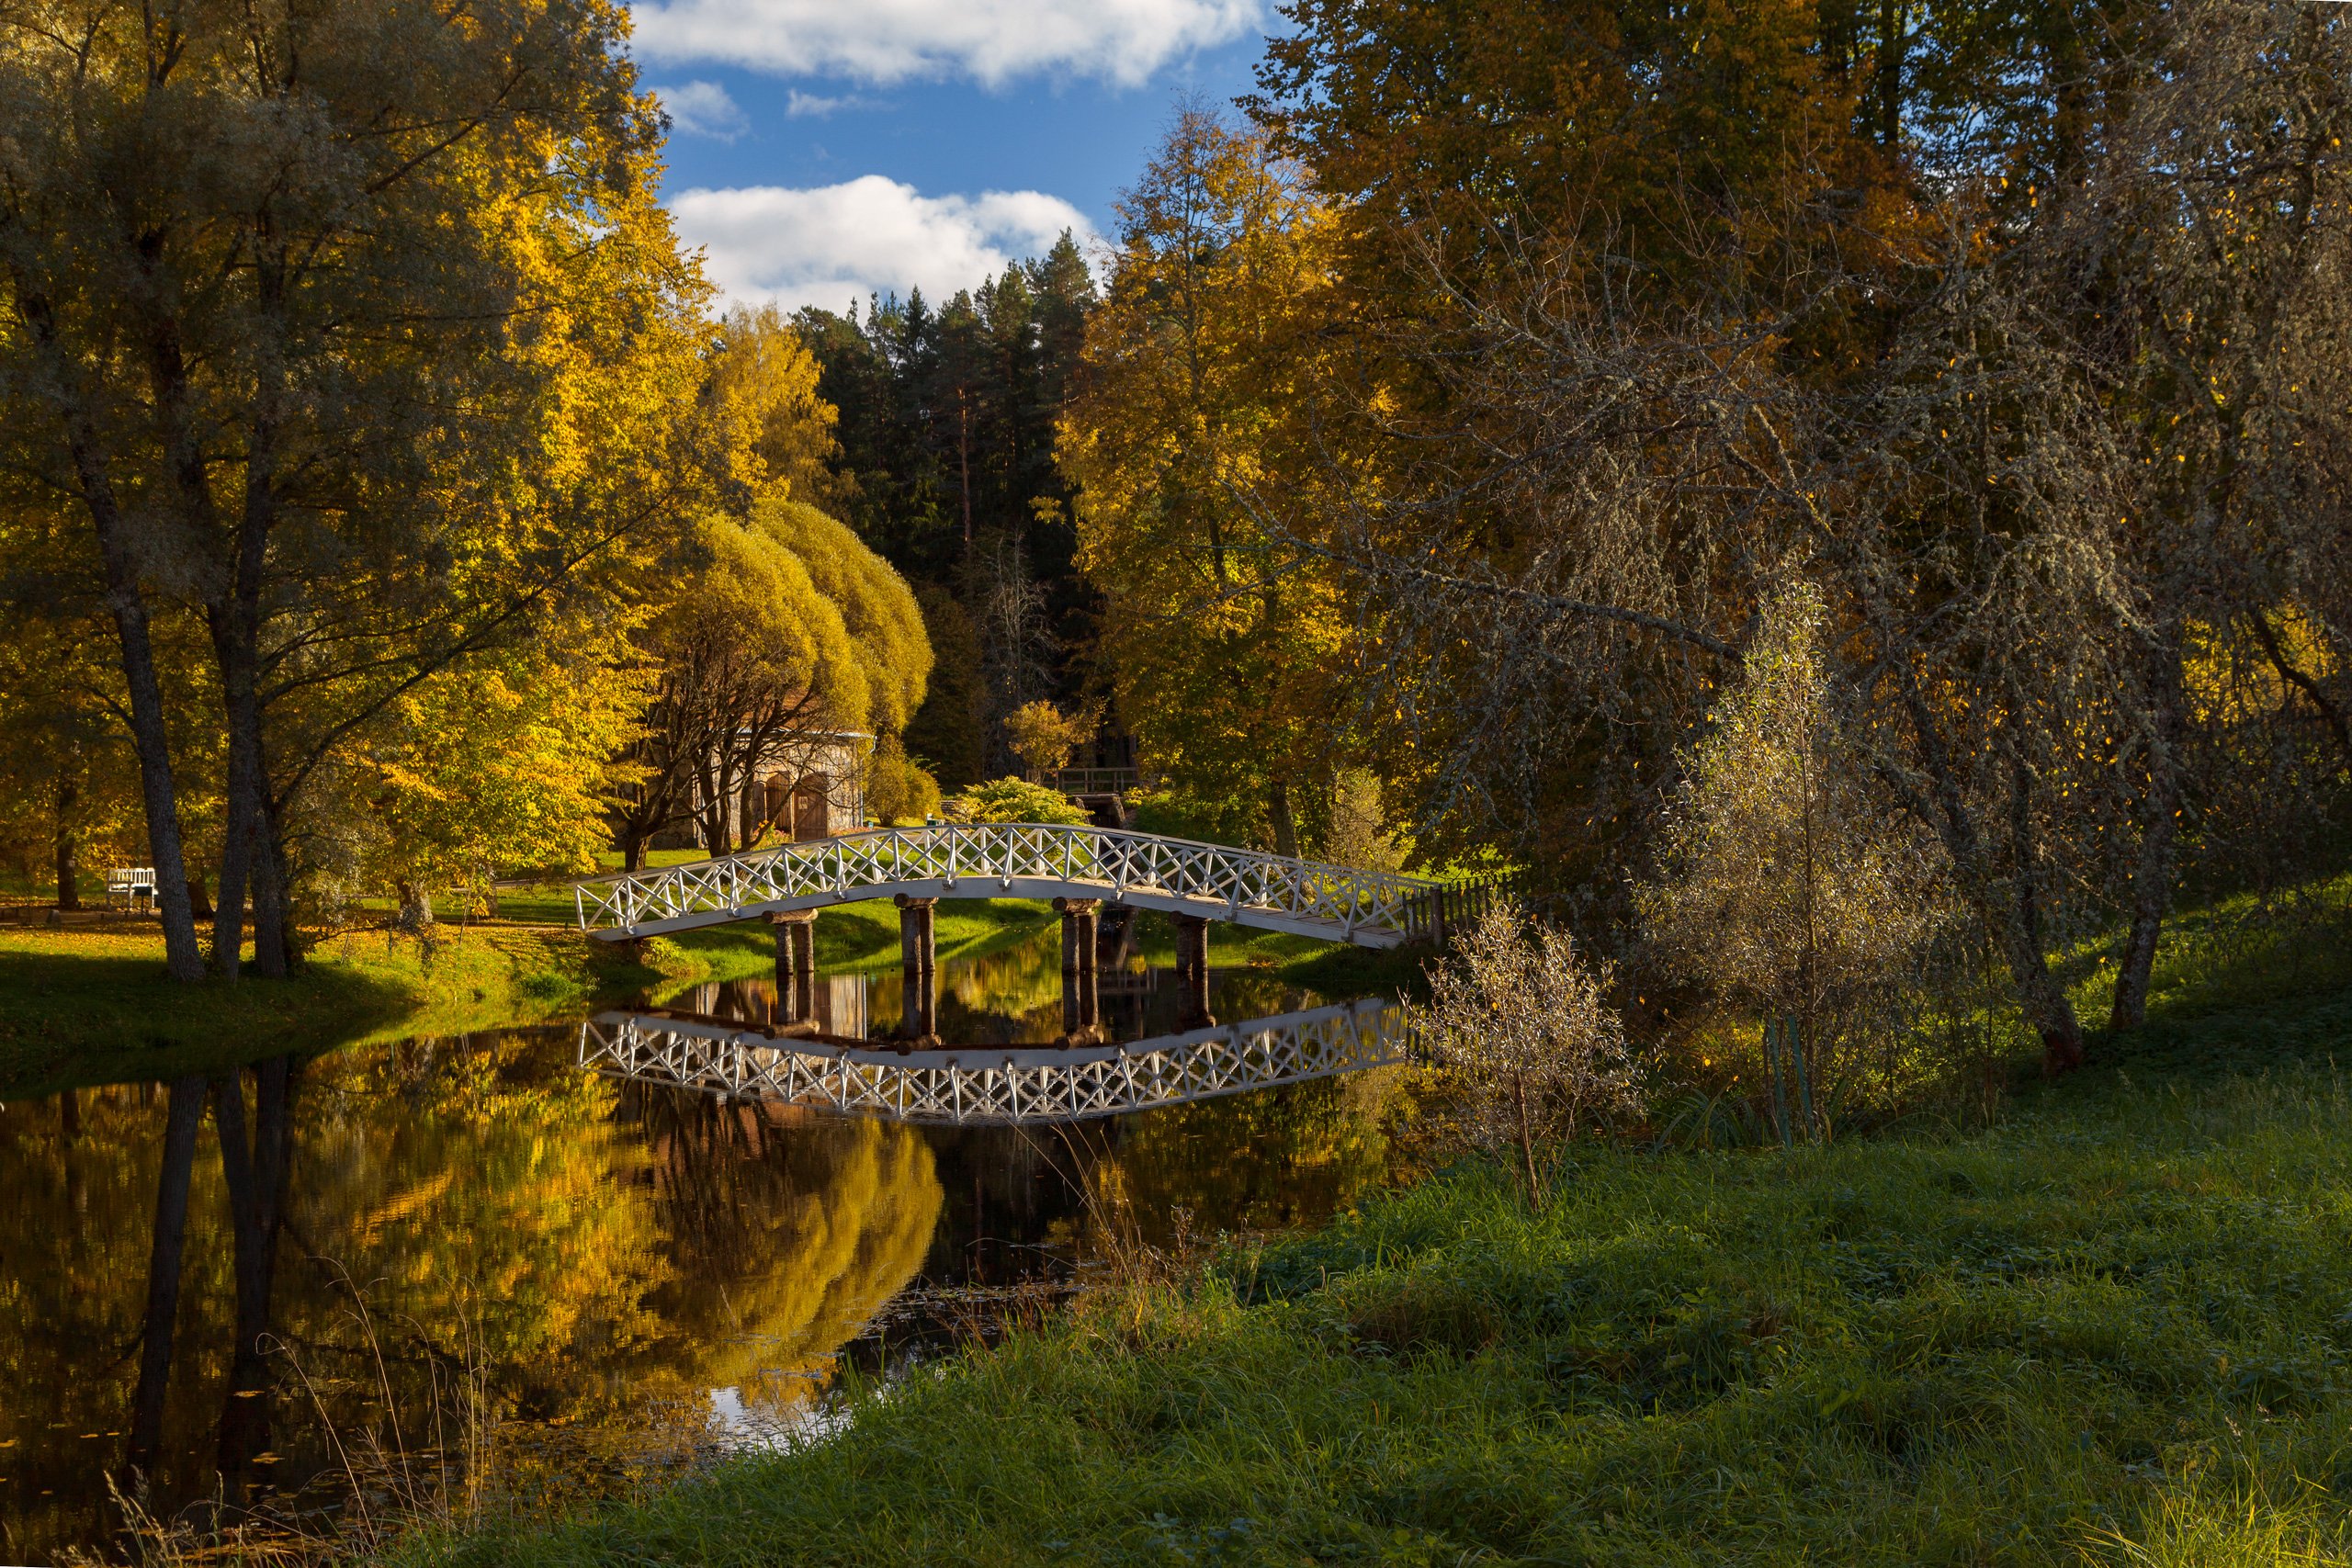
(1118, 860)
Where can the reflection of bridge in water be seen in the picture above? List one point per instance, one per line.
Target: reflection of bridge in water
(995, 1085)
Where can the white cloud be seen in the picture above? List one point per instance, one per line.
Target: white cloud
(801, 104)
(703, 108)
(834, 245)
(1124, 41)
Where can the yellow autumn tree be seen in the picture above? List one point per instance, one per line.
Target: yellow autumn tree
(770, 431)
(1193, 415)
(506, 763)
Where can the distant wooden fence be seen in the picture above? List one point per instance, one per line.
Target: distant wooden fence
(1446, 908)
(1094, 781)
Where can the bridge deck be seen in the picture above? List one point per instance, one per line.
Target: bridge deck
(1016, 860)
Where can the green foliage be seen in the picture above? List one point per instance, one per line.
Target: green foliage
(1227, 648)
(949, 732)
(388, 375)
(1012, 800)
(1042, 735)
(1357, 831)
(897, 788)
(1185, 814)
(497, 765)
(877, 611)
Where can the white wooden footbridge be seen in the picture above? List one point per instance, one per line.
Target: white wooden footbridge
(1001, 1085)
(1022, 860)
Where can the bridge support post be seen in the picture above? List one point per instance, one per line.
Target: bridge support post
(1193, 972)
(918, 941)
(795, 964)
(919, 971)
(918, 1008)
(1081, 987)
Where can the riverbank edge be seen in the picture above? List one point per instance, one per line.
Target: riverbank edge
(84, 1007)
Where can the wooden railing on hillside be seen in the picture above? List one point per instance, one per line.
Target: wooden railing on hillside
(1449, 905)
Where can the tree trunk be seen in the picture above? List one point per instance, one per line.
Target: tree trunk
(415, 912)
(274, 951)
(125, 602)
(236, 863)
(181, 1124)
(2045, 1000)
(633, 851)
(2016, 913)
(1278, 813)
(1526, 1139)
(2159, 833)
(1892, 43)
(68, 843)
(199, 895)
(234, 621)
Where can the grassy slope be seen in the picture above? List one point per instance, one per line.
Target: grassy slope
(2113, 1329)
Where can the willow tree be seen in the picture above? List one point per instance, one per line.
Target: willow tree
(358, 335)
(777, 631)
(1191, 399)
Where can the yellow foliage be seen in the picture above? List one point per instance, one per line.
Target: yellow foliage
(1194, 414)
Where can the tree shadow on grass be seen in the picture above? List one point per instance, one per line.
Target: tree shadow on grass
(72, 1020)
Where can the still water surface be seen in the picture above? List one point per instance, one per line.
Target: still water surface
(625, 1276)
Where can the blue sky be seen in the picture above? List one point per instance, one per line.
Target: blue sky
(822, 150)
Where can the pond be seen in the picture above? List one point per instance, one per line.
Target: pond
(497, 1267)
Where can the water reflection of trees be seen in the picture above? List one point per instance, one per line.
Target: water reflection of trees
(600, 1258)
(400, 1224)
(1312, 1149)
(788, 1231)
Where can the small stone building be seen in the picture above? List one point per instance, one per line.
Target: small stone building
(815, 791)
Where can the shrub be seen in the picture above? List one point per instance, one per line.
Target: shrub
(1012, 800)
(1521, 1022)
(897, 788)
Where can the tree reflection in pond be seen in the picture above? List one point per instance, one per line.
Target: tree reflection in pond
(624, 1274)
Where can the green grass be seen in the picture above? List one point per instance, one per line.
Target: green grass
(79, 1008)
(2115, 1328)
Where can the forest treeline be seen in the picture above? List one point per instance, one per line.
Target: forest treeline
(1599, 438)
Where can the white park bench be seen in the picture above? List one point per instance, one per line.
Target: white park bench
(131, 883)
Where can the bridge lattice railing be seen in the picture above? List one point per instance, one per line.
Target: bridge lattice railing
(1004, 1084)
(1110, 861)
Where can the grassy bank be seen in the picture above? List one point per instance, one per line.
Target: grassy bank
(96, 1007)
(2115, 1328)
